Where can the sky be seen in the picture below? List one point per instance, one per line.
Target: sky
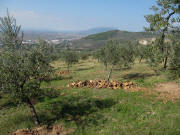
(76, 15)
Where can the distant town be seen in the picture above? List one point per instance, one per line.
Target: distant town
(53, 41)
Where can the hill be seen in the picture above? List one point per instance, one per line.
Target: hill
(95, 30)
(96, 41)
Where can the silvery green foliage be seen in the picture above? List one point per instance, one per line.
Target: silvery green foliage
(154, 57)
(166, 14)
(70, 57)
(164, 21)
(175, 56)
(102, 56)
(116, 54)
(140, 51)
(11, 36)
(22, 72)
(22, 67)
(119, 54)
(127, 54)
(112, 52)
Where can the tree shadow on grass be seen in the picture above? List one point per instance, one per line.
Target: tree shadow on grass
(7, 102)
(16, 121)
(82, 69)
(121, 69)
(137, 76)
(83, 112)
(57, 78)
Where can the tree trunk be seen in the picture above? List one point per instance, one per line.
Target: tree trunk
(140, 59)
(165, 62)
(68, 67)
(166, 58)
(33, 111)
(163, 38)
(109, 76)
(105, 64)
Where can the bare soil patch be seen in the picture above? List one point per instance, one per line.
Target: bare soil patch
(63, 73)
(165, 91)
(169, 91)
(44, 130)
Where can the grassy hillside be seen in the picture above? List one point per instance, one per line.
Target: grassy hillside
(103, 36)
(91, 111)
(95, 41)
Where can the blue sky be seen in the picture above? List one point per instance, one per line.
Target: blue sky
(78, 14)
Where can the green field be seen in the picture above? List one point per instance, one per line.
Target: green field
(98, 111)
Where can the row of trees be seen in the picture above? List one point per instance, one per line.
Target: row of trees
(163, 53)
(115, 54)
(71, 57)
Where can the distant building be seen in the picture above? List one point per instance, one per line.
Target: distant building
(147, 41)
(143, 42)
(55, 41)
(29, 42)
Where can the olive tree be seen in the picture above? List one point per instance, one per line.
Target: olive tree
(140, 51)
(154, 57)
(84, 55)
(22, 68)
(10, 36)
(102, 56)
(116, 54)
(96, 55)
(163, 21)
(111, 52)
(127, 54)
(70, 58)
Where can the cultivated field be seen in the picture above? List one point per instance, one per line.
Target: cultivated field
(152, 108)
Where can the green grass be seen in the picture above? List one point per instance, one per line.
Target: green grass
(98, 111)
